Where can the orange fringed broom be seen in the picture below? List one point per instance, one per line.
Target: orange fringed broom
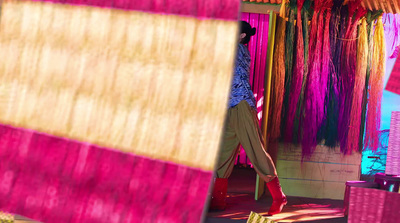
(361, 71)
(377, 74)
(278, 77)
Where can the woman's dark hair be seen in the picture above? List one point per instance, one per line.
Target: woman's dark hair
(246, 28)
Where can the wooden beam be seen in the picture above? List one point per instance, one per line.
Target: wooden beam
(260, 8)
(260, 184)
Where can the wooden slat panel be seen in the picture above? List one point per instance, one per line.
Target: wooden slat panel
(374, 3)
(388, 6)
(396, 6)
(368, 4)
(260, 8)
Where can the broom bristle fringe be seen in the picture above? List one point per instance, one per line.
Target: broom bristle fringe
(298, 74)
(375, 89)
(356, 105)
(278, 79)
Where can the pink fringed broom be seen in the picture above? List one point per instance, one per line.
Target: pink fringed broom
(313, 104)
(325, 69)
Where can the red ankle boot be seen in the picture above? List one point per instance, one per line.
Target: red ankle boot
(279, 198)
(218, 199)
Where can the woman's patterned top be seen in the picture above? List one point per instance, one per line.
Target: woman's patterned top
(241, 89)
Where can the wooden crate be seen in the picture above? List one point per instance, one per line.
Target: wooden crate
(322, 176)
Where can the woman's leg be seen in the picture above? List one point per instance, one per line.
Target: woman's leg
(228, 152)
(226, 161)
(245, 123)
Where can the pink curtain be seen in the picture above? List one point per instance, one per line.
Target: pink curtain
(258, 51)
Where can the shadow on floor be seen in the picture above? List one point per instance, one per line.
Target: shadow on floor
(240, 202)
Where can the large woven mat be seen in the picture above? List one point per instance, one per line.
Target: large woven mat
(393, 153)
(112, 110)
(373, 205)
(257, 218)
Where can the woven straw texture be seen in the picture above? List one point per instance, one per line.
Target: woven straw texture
(80, 182)
(393, 153)
(256, 218)
(80, 86)
(6, 217)
(373, 205)
(215, 9)
(149, 84)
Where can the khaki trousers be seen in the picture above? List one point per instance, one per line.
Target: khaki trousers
(241, 127)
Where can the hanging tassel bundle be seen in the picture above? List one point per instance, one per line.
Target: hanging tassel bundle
(375, 87)
(278, 79)
(335, 46)
(297, 131)
(319, 54)
(346, 69)
(289, 53)
(324, 77)
(349, 63)
(298, 73)
(310, 123)
(371, 17)
(305, 18)
(361, 72)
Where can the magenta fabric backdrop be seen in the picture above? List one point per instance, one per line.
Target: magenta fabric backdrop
(258, 51)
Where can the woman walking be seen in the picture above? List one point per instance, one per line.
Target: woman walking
(242, 128)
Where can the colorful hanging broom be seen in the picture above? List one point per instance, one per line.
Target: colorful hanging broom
(375, 87)
(112, 115)
(278, 79)
(361, 72)
(371, 18)
(290, 45)
(336, 23)
(298, 73)
(297, 131)
(348, 71)
(312, 104)
(324, 76)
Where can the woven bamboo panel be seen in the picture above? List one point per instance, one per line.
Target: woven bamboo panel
(393, 153)
(257, 218)
(373, 205)
(388, 6)
(56, 180)
(154, 85)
